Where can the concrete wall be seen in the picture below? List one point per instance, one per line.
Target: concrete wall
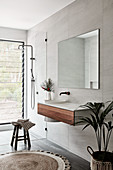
(79, 17)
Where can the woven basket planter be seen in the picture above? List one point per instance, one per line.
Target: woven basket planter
(98, 164)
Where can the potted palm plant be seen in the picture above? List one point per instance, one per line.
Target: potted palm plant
(101, 159)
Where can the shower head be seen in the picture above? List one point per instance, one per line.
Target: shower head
(25, 46)
(19, 47)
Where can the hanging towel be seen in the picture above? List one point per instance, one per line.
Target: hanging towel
(25, 123)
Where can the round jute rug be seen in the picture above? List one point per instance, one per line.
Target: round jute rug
(33, 160)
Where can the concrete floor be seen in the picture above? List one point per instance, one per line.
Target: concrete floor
(38, 143)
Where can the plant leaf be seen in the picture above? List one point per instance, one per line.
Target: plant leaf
(104, 137)
(95, 123)
(106, 111)
(86, 126)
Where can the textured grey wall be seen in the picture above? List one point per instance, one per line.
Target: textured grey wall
(79, 17)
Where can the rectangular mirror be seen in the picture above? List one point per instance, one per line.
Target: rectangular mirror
(78, 61)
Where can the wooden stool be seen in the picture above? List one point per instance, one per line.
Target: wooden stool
(19, 138)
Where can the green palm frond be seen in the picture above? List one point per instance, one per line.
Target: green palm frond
(90, 106)
(104, 136)
(86, 126)
(109, 125)
(98, 107)
(106, 111)
(87, 120)
(97, 122)
(95, 109)
(90, 121)
(106, 125)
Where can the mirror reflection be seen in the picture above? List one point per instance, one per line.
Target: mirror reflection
(78, 61)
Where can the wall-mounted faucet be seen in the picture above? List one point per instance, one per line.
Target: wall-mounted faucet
(67, 93)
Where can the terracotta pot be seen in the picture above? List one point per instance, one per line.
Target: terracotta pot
(100, 160)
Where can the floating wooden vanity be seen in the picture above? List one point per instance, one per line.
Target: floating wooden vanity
(59, 114)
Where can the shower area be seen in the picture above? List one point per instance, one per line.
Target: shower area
(39, 43)
(11, 81)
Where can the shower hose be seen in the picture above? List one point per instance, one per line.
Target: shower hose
(32, 93)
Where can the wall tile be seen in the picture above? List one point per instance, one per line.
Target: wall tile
(107, 3)
(58, 133)
(108, 21)
(83, 18)
(77, 138)
(79, 17)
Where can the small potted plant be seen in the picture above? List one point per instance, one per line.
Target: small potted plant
(47, 85)
(101, 159)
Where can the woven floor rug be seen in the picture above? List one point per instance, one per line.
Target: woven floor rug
(33, 160)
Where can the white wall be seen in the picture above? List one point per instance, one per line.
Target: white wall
(79, 17)
(15, 35)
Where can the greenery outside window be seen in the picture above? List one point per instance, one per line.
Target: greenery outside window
(11, 81)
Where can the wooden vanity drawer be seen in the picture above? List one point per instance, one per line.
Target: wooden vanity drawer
(62, 115)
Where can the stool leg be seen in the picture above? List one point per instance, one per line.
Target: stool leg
(24, 136)
(29, 144)
(13, 136)
(16, 139)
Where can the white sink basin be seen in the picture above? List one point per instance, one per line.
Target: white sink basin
(56, 101)
(64, 104)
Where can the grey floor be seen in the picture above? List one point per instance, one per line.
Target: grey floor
(38, 143)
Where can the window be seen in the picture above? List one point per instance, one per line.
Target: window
(11, 81)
